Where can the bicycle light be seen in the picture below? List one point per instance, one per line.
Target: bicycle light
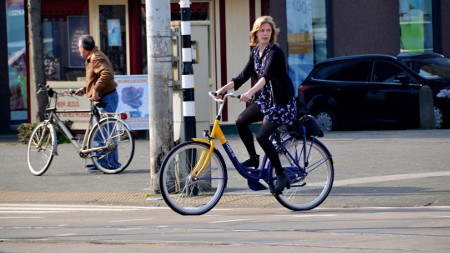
(123, 116)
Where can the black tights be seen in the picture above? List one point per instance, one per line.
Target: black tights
(253, 114)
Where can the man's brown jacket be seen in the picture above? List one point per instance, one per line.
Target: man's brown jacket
(99, 74)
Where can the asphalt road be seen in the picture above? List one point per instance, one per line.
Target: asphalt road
(129, 229)
(372, 169)
(391, 194)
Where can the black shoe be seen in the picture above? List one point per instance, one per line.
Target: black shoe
(91, 168)
(253, 161)
(282, 181)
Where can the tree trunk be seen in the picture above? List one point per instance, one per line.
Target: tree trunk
(36, 50)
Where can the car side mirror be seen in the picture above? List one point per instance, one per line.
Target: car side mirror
(402, 79)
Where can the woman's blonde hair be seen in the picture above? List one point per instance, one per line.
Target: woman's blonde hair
(257, 25)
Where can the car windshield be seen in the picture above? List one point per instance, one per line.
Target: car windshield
(431, 68)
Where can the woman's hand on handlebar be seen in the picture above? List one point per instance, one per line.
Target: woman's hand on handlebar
(246, 97)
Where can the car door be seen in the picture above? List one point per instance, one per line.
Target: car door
(392, 94)
(350, 93)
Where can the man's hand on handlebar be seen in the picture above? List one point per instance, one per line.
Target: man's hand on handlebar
(81, 91)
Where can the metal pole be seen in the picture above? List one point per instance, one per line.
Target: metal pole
(187, 78)
(159, 56)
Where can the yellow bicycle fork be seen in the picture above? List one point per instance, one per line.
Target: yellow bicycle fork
(206, 154)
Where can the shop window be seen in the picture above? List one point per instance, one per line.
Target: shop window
(63, 22)
(416, 25)
(307, 36)
(17, 68)
(199, 11)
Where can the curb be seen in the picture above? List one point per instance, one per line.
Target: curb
(126, 198)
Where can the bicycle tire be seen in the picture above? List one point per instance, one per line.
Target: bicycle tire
(40, 148)
(308, 190)
(118, 141)
(182, 193)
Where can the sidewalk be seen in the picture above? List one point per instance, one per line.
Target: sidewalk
(372, 168)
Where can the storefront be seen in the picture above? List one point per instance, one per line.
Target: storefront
(311, 31)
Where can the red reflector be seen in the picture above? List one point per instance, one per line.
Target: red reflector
(123, 116)
(302, 88)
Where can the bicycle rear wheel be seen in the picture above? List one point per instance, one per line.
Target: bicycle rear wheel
(40, 148)
(116, 143)
(182, 191)
(311, 184)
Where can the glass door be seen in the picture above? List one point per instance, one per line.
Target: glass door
(109, 26)
(113, 36)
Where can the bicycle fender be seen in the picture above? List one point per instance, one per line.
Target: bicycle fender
(122, 121)
(202, 141)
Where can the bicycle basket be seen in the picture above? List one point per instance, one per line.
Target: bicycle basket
(311, 126)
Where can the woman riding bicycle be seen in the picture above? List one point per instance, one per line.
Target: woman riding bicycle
(274, 101)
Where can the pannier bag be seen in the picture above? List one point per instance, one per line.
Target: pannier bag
(311, 126)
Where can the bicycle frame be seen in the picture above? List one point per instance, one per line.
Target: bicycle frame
(80, 148)
(260, 175)
(263, 174)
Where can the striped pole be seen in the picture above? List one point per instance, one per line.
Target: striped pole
(187, 77)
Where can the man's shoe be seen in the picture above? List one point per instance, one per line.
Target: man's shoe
(282, 182)
(91, 168)
(253, 161)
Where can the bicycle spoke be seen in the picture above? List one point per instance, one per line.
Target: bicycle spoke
(312, 181)
(184, 192)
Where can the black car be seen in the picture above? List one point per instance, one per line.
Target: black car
(375, 90)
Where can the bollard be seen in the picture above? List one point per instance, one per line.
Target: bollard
(426, 108)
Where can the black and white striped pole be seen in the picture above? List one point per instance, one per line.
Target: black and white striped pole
(187, 77)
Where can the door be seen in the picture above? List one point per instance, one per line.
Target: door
(109, 26)
(390, 100)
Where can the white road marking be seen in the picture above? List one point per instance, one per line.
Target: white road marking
(386, 178)
(126, 229)
(131, 220)
(306, 215)
(21, 217)
(49, 208)
(225, 221)
(64, 235)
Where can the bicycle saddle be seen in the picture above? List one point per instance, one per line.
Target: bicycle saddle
(100, 104)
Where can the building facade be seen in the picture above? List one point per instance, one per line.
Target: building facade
(311, 31)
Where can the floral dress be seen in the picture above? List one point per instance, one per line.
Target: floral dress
(280, 114)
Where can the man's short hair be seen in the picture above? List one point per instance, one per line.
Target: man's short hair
(87, 41)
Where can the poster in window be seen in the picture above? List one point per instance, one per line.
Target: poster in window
(114, 38)
(133, 100)
(416, 26)
(300, 40)
(76, 26)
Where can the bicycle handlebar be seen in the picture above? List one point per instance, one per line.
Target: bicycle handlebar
(213, 95)
(50, 91)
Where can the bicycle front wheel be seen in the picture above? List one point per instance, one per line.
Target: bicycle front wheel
(312, 182)
(40, 148)
(115, 145)
(183, 190)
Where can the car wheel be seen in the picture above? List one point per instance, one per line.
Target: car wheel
(325, 119)
(438, 117)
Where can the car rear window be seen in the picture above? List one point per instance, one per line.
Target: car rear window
(430, 68)
(351, 71)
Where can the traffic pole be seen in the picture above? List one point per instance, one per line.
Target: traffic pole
(159, 58)
(187, 77)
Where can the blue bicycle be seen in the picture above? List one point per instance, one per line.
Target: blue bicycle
(193, 175)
